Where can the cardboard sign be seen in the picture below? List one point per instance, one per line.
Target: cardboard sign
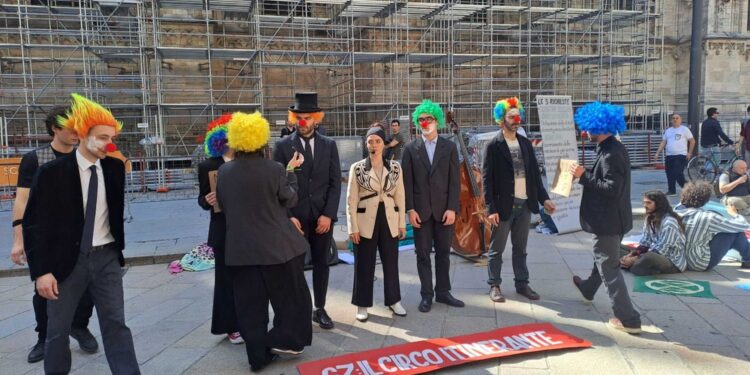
(558, 134)
(563, 178)
(213, 177)
(435, 354)
(9, 171)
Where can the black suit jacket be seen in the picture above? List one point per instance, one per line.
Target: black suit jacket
(499, 181)
(431, 189)
(217, 226)
(605, 205)
(319, 180)
(254, 194)
(53, 220)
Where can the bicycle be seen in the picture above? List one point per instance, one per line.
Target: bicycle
(709, 168)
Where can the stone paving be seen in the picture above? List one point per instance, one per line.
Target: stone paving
(170, 319)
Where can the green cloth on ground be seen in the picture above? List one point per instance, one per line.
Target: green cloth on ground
(684, 288)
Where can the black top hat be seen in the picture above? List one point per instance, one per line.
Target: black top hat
(305, 102)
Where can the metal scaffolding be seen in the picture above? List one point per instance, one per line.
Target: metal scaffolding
(175, 64)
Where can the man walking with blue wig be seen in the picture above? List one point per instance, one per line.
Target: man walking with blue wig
(605, 209)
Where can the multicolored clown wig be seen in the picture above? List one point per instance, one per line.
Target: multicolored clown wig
(248, 132)
(215, 144)
(503, 106)
(84, 114)
(431, 108)
(601, 118)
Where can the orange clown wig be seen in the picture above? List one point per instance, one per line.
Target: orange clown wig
(84, 114)
(317, 116)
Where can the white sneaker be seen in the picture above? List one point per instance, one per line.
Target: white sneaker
(398, 309)
(235, 338)
(362, 314)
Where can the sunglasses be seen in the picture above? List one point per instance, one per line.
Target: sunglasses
(427, 118)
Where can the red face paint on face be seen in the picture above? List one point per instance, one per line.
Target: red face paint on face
(424, 124)
(302, 123)
(110, 147)
(517, 119)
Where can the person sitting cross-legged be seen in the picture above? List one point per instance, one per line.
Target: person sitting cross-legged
(662, 246)
(709, 235)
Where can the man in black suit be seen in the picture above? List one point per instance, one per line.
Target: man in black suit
(605, 209)
(319, 181)
(73, 230)
(513, 190)
(63, 143)
(431, 184)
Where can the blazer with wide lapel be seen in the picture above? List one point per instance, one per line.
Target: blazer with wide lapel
(254, 193)
(605, 204)
(363, 198)
(431, 188)
(319, 180)
(499, 179)
(56, 214)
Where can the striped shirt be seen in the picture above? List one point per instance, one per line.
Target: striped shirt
(700, 227)
(668, 241)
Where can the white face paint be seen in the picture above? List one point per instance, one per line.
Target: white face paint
(430, 129)
(94, 145)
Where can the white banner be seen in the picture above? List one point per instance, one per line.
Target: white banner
(559, 142)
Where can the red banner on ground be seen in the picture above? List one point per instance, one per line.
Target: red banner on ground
(434, 354)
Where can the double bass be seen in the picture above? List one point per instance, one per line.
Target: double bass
(472, 230)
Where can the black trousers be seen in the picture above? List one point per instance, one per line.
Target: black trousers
(433, 232)
(320, 247)
(285, 287)
(80, 318)
(98, 272)
(224, 317)
(364, 264)
(674, 166)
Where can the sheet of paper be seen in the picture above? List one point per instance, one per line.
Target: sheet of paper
(213, 177)
(563, 182)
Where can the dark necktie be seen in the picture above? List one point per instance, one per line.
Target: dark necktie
(87, 238)
(308, 151)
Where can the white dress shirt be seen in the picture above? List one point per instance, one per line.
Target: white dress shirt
(102, 235)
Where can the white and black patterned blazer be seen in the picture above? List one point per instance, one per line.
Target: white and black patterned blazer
(365, 192)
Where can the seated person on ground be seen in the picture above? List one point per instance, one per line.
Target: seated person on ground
(708, 235)
(735, 186)
(662, 247)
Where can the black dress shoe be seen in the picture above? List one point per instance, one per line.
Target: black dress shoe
(37, 352)
(86, 341)
(577, 281)
(272, 358)
(449, 300)
(321, 317)
(526, 291)
(425, 305)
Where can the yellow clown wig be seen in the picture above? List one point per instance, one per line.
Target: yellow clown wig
(84, 114)
(317, 116)
(248, 132)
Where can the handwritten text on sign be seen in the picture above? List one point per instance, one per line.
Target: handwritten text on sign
(434, 354)
(559, 140)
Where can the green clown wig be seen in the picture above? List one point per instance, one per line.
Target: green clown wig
(431, 108)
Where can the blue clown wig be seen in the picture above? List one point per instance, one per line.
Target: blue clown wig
(601, 118)
(215, 144)
(503, 106)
